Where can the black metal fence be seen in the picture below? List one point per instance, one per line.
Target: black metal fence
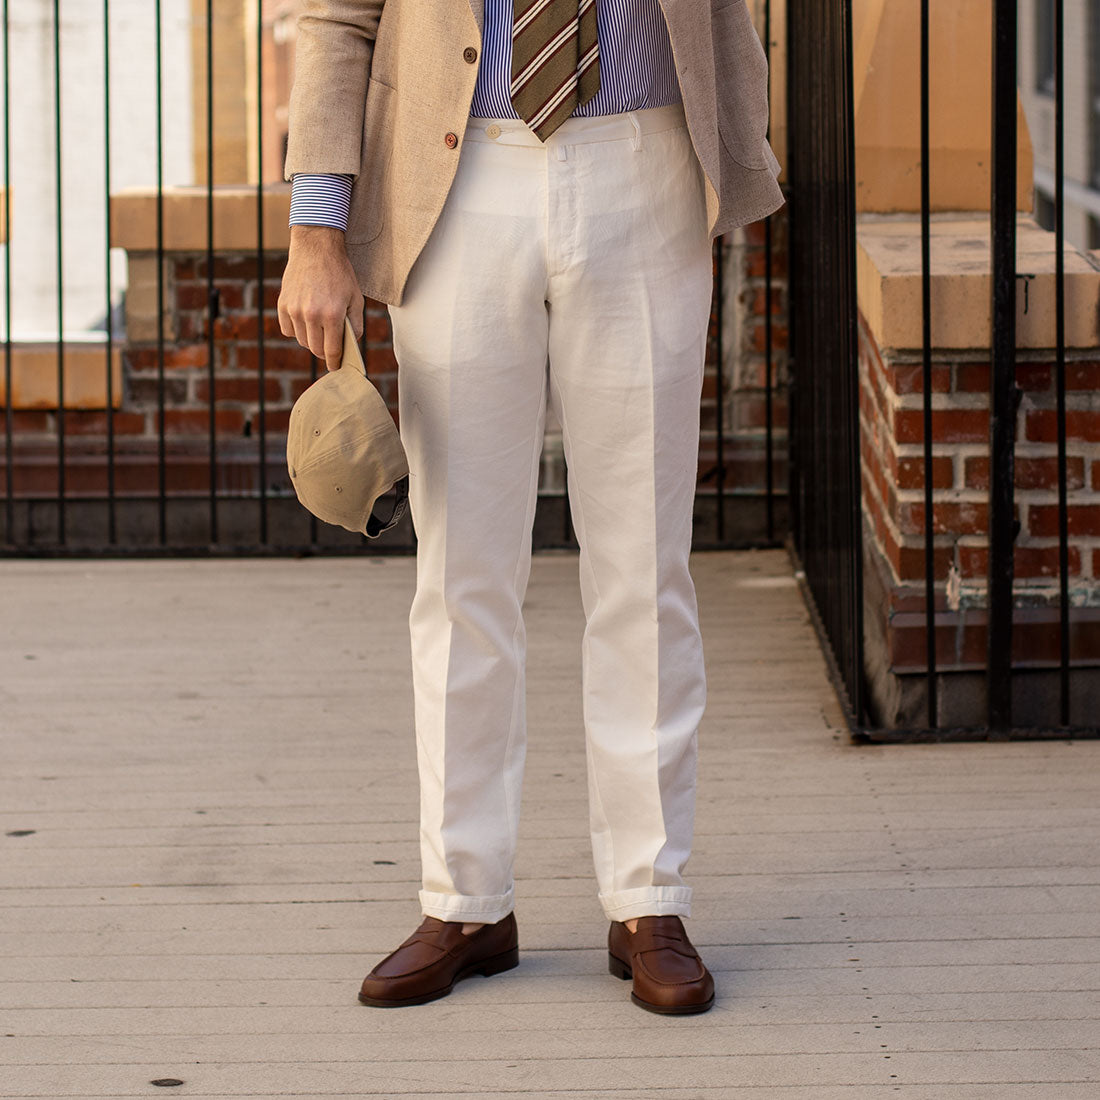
(824, 498)
(825, 489)
(49, 514)
(39, 520)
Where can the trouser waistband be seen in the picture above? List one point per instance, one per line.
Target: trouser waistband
(578, 131)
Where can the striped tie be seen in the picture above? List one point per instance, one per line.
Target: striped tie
(555, 60)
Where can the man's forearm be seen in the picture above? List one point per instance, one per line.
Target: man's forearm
(332, 68)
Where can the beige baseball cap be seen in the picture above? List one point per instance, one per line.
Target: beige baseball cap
(343, 450)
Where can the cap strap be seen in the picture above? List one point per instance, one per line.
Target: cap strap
(400, 503)
(351, 355)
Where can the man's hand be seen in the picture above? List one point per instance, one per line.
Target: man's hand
(319, 290)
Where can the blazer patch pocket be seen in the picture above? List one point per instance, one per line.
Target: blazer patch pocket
(741, 79)
(370, 193)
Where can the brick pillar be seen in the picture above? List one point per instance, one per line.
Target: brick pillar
(891, 414)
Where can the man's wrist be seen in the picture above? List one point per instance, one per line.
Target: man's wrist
(316, 232)
(317, 240)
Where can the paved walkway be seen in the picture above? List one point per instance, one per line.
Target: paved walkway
(212, 765)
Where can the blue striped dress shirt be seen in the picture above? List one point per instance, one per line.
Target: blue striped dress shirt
(636, 72)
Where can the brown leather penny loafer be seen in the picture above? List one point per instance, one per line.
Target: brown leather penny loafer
(669, 977)
(427, 965)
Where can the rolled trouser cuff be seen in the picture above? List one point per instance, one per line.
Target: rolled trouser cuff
(647, 901)
(455, 907)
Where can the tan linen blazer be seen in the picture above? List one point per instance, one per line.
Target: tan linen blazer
(383, 88)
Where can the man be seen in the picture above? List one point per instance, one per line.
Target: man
(532, 186)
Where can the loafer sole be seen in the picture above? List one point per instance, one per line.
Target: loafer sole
(487, 967)
(622, 970)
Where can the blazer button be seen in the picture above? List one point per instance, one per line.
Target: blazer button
(469, 55)
(451, 140)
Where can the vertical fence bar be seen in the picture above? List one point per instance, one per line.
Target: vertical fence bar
(260, 372)
(854, 453)
(60, 283)
(769, 377)
(9, 414)
(799, 402)
(313, 525)
(826, 482)
(112, 529)
(1002, 380)
(566, 514)
(1060, 342)
(211, 291)
(795, 415)
(835, 540)
(720, 382)
(926, 321)
(769, 409)
(162, 457)
(364, 347)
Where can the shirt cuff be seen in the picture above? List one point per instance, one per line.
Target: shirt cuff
(321, 199)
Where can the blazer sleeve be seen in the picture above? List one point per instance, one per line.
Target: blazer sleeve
(332, 62)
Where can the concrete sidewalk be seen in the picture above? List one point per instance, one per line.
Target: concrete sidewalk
(207, 809)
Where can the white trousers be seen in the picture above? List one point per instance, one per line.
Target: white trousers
(576, 273)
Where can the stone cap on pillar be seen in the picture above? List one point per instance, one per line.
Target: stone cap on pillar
(888, 265)
(34, 377)
(134, 218)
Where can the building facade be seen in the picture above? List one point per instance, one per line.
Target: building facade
(1082, 111)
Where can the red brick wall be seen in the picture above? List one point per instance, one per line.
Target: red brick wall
(891, 413)
(744, 403)
(289, 369)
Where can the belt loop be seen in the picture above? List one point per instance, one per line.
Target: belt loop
(562, 154)
(636, 141)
